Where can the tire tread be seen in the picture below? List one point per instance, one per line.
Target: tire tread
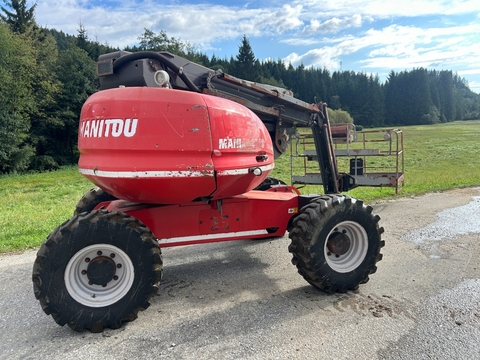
(42, 280)
(304, 242)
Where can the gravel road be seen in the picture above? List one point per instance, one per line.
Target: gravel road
(245, 300)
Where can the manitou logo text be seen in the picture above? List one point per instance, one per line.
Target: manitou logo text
(109, 127)
(230, 143)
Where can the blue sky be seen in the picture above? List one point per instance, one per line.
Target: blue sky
(372, 36)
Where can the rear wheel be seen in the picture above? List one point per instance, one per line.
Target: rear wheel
(91, 199)
(97, 270)
(336, 243)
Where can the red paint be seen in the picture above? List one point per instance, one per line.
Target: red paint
(246, 216)
(164, 146)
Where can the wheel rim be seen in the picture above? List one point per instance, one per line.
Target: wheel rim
(346, 246)
(99, 275)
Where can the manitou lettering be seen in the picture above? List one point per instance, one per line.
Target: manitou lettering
(109, 127)
(230, 143)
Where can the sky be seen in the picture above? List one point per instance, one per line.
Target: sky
(370, 36)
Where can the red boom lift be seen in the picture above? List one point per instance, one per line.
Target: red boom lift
(180, 154)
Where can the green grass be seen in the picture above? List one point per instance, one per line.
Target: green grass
(437, 158)
(33, 205)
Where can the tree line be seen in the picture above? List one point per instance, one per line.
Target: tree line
(46, 76)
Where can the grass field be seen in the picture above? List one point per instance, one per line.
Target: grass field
(437, 157)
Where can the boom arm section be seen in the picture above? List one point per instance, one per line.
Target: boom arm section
(279, 110)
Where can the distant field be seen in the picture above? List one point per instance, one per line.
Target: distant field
(437, 157)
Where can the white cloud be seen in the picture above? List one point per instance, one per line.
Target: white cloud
(296, 41)
(327, 57)
(333, 25)
(205, 24)
(199, 24)
(389, 8)
(469, 72)
(405, 47)
(474, 86)
(399, 47)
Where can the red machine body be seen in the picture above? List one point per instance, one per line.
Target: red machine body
(253, 215)
(165, 146)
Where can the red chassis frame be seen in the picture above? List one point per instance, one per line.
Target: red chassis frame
(253, 215)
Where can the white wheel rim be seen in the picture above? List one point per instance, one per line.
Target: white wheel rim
(354, 256)
(92, 295)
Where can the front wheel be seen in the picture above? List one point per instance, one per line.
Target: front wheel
(336, 243)
(97, 270)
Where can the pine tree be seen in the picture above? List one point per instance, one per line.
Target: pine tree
(447, 100)
(245, 62)
(392, 99)
(82, 38)
(19, 18)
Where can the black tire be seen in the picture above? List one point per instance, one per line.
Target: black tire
(97, 270)
(268, 183)
(336, 243)
(91, 199)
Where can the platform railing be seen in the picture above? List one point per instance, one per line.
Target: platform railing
(370, 157)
